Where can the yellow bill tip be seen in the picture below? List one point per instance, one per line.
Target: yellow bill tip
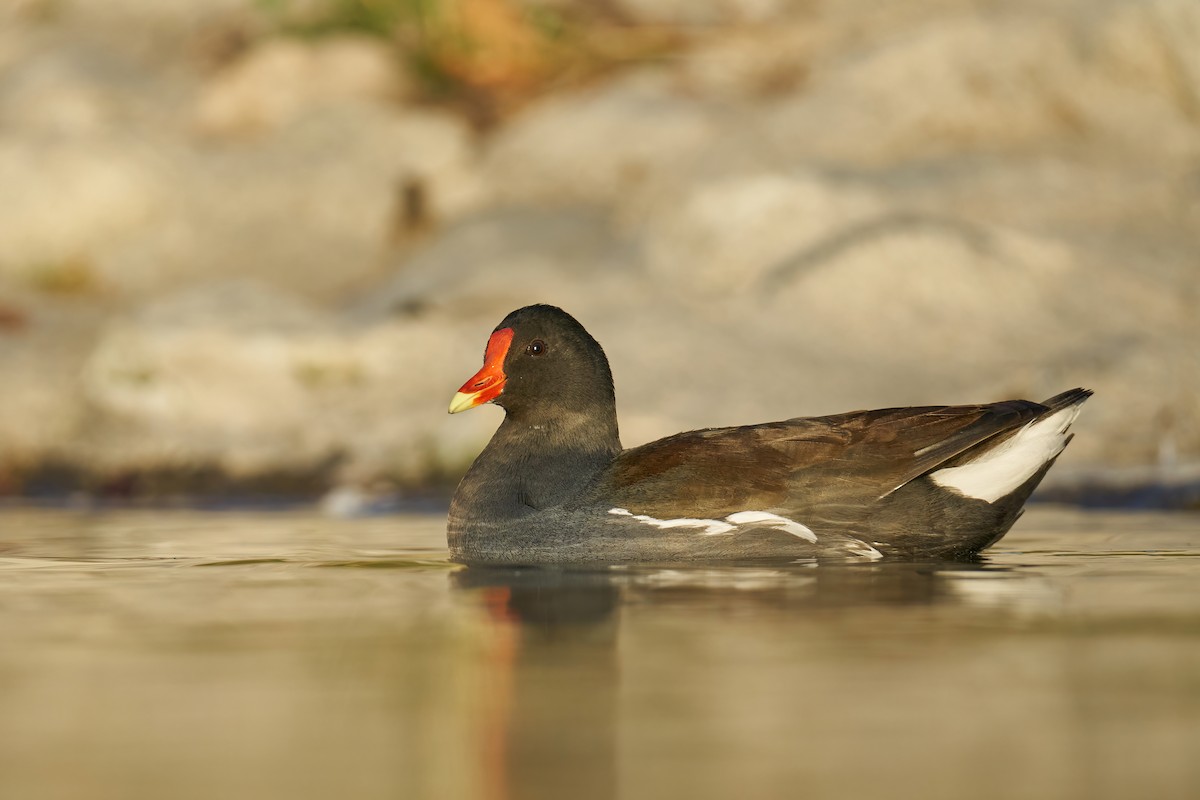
(462, 401)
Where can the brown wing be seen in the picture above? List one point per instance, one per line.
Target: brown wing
(831, 467)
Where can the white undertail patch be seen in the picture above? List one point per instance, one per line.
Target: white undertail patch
(713, 527)
(999, 471)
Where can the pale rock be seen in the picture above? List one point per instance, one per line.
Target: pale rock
(714, 236)
(1150, 391)
(938, 88)
(707, 12)
(211, 378)
(61, 93)
(970, 83)
(281, 79)
(63, 202)
(598, 144)
(40, 361)
(1145, 82)
(313, 209)
(171, 368)
(850, 206)
(920, 280)
(181, 13)
(1047, 194)
(753, 63)
(1156, 44)
(244, 379)
(160, 31)
(494, 261)
(62, 88)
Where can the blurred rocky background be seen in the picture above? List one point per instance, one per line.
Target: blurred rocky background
(255, 245)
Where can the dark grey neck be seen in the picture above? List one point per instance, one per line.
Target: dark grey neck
(530, 465)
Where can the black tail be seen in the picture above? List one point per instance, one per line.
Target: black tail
(1071, 397)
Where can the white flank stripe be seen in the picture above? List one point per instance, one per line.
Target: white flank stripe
(863, 550)
(713, 527)
(999, 471)
(777, 522)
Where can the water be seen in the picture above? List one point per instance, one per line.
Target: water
(287, 655)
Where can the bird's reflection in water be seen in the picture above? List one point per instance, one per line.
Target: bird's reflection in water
(550, 700)
(552, 706)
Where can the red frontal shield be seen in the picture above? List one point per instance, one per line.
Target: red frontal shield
(487, 384)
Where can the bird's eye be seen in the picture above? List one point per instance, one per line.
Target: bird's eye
(536, 347)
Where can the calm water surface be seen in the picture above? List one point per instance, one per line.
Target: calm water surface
(287, 655)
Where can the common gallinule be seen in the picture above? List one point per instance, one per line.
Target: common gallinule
(555, 486)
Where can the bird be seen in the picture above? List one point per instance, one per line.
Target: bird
(554, 486)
